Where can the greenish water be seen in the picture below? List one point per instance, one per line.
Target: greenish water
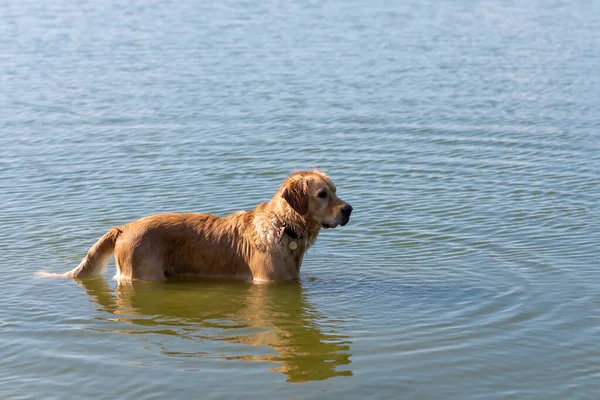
(465, 134)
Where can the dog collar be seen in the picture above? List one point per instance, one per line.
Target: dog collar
(291, 233)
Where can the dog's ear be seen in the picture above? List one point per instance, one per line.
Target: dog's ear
(296, 194)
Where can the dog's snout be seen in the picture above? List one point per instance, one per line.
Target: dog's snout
(347, 210)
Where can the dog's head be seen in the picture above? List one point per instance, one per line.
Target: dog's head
(312, 195)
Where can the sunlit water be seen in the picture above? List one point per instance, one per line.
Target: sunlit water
(465, 134)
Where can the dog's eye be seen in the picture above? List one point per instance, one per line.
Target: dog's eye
(322, 194)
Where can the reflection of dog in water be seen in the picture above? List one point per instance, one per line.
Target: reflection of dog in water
(278, 315)
(265, 244)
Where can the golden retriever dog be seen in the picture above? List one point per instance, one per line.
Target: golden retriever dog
(265, 244)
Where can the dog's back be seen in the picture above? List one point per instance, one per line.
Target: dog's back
(164, 245)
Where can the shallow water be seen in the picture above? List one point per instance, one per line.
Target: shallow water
(465, 134)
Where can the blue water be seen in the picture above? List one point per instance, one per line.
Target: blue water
(465, 134)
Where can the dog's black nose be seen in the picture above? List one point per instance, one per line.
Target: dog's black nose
(347, 210)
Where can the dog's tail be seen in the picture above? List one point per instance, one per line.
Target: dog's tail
(96, 260)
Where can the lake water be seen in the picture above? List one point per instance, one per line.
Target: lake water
(465, 134)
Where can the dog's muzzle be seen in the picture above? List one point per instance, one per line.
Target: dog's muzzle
(346, 211)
